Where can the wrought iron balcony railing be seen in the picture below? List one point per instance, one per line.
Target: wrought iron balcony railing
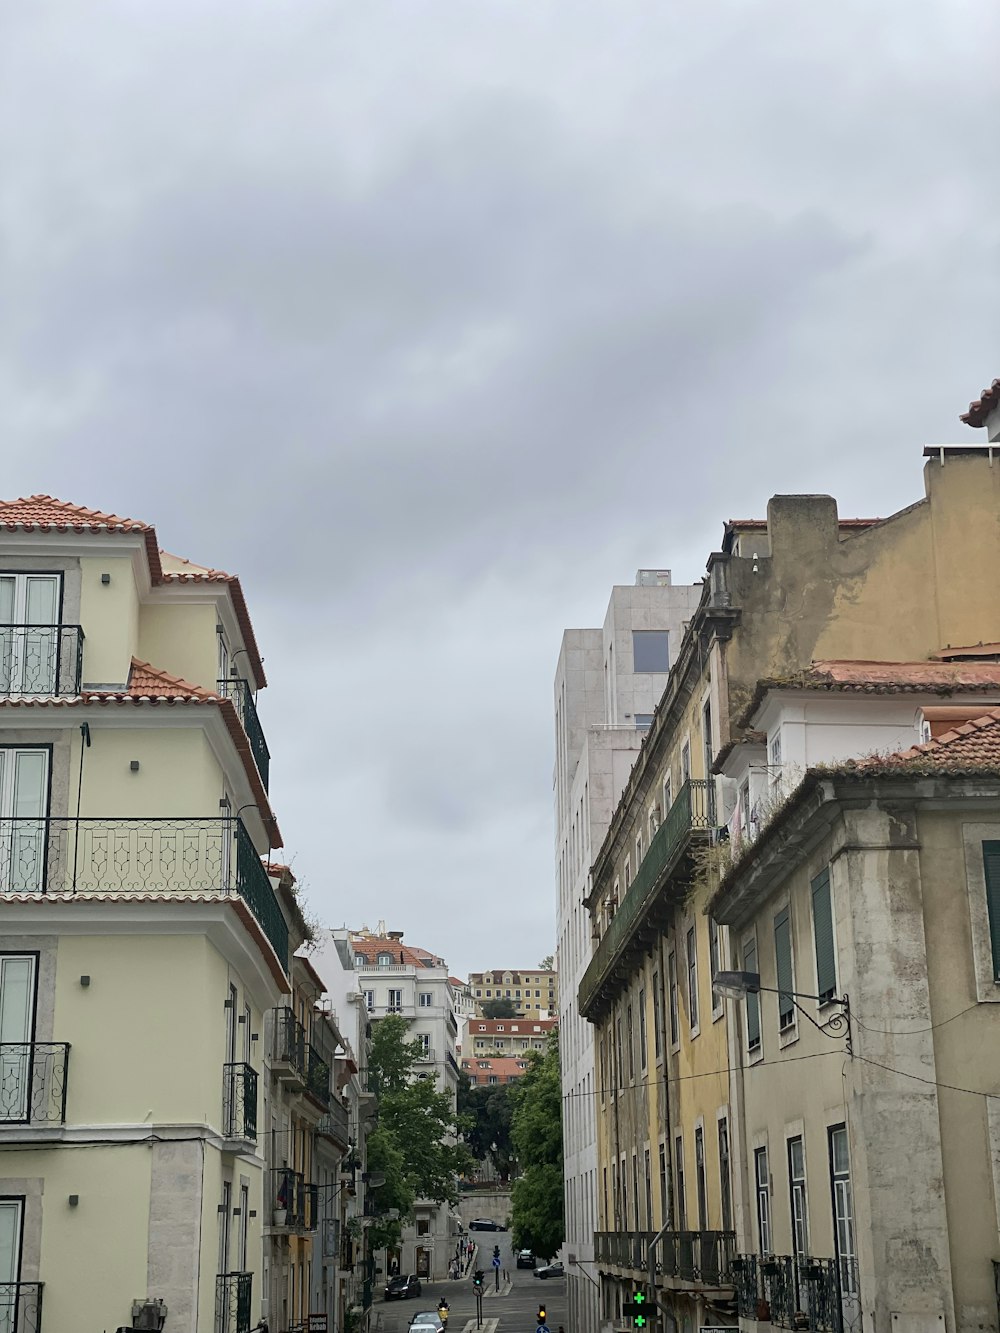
(33, 1083)
(288, 1046)
(239, 1102)
(799, 1292)
(318, 1076)
(336, 1124)
(232, 1302)
(147, 856)
(294, 1201)
(692, 812)
(21, 1307)
(702, 1257)
(40, 660)
(237, 689)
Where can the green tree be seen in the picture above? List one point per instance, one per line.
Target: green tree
(536, 1131)
(415, 1143)
(485, 1113)
(546, 964)
(502, 1008)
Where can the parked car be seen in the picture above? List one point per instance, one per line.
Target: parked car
(402, 1287)
(550, 1270)
(427, 1321)
(485, 1224)
(525, 1259)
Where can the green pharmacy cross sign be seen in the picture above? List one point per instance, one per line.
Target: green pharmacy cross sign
(638, 1310)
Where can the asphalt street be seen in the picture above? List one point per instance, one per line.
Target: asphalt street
(515, 1306)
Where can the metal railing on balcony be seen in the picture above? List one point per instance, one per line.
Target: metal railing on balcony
(692, 811)
(33, 1083)
(239, 1102)
(288, 1043)
(238, 690)
(40, 660)
(318, 1076)
(158, 856)
(700, 1257)
(335, 1124)
(425, 1056)
(799, 1292)
(21, 1307)
(294, 1201)
(233, 1293)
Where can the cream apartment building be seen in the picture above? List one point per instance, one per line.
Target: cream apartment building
(533, 993)
(143, 941)
(607, 685)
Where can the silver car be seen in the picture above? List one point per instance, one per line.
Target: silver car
(426, 1321)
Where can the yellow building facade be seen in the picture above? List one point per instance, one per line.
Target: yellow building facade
(801, 585)
(142, 940)
(533, 993)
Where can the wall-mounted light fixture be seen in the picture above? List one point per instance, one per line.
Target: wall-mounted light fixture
(73, 1200)
(105, 579)
(134, 765)
(85, 981)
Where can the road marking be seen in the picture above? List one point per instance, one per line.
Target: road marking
(489, 1326)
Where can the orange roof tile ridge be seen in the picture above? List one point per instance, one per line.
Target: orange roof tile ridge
(161, 677)
(47, 510)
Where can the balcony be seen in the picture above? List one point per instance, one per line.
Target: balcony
(690, 818)
(288, 1049)
(294, 1201)
(701, 1259)
(798, 1292)
(239, 1102)
(33, 1084)
(40, 660)
(425, 1056)
(141, 856)
(238, 690)
(318, 1077)
(21, 1307)
(335, 1125)
(232, 1302)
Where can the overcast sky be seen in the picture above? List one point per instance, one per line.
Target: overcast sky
(433, 319)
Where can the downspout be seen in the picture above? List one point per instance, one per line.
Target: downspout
(651, 1261)
(84, 746)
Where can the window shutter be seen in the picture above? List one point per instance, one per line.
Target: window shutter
(783, 959)
(991, 865)
(826, 964)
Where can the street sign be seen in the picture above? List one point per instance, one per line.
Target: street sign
(496, 1262)
(542, 1328)
(317, 1323)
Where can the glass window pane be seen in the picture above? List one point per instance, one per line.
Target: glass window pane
(650, 650)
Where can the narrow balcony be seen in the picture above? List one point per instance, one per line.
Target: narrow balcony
(21, 1307)
(798, 1292)
(141, 856)
(318, 1077)
(238, 690)
(33, 1084)
(294, 1202)
(233, 1292)
(426, 1056)
(335, 1125)
(701, 1259)
(691, 818)
(288, 1049)
(239, 1103)
(40, 661)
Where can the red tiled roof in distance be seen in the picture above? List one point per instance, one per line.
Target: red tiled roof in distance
(987, 402)
(520, 1027)
(370, 946)
(903, 676)
(973, 744)
(500, 1066)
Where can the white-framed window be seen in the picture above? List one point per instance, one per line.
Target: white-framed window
(752, 1000)
(425, 999)
(692, 976)
(385, 959)
(715, 964)
(24, 791)
(668, 794)
(627, 875)
(394, 1001)
(638, 851)
(797, 1197)
(685, 762)
(30, 642)
(11, 1227)
(762, 1188)
(774, 758)
(675, 1034)
(783, 968)
(369, 1000)
(17, 1032)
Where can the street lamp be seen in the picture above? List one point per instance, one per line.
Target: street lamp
(737, 985)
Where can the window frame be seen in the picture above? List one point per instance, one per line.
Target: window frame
(691, 961)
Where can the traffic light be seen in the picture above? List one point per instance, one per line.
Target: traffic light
(638, 1310)
(496, 1251)
(477, 1279)
(541, 1314)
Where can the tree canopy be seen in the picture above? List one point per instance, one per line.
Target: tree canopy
(414, 1144)
(485, 1112)
(546, 964)
(501, 1008)
(536, 1131)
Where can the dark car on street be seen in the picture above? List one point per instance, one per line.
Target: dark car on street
(401, 1287)
(525, 1259)
(485, 1224)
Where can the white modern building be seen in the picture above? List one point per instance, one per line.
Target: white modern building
(607, 685)
(391, 977)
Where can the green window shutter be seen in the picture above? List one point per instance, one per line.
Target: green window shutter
(753, 1000)
(991, 865)
(826, 964)
(783, 959)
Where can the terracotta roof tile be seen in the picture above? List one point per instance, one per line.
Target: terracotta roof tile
(973, 650)
(519, 1027)
(146, 681)
(987, 402)
(972, 744)
(370, 946)
(500, 1066)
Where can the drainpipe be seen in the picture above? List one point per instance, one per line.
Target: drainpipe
(651, 1261)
